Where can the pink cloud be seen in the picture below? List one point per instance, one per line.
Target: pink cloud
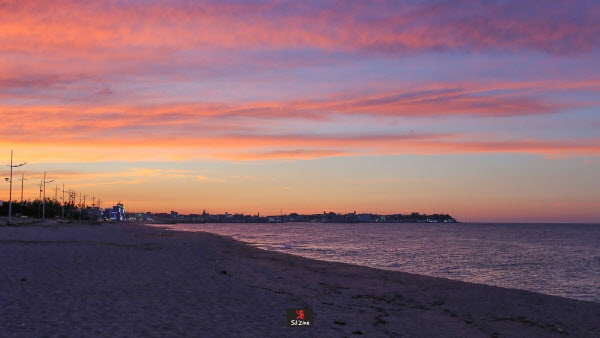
(255, 127)
(68, 70)
(102, 29)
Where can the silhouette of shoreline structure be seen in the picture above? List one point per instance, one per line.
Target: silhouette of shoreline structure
(68, 211)
(325, 217)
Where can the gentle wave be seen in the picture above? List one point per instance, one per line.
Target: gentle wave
(555, 259)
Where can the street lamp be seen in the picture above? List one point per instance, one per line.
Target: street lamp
(10, 180)
(44, 200)
(63, 202)
(22, 179)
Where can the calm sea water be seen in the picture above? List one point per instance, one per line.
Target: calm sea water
(555, 259)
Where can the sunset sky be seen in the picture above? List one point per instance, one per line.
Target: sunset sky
(486, 110)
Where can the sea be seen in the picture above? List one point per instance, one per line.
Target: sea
(554, 259)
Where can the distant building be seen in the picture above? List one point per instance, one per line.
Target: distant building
(117, 213)
(174, 214)
(365, 218)
(93, 213)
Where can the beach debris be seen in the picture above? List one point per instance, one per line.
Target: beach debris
(560, 331)
(23, 279)
(357, 332)
(339, 322)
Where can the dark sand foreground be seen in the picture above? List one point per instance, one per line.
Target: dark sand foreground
(131, 280)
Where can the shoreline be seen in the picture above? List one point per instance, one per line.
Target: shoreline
(386, 270)
(540, 270)
(123, 279)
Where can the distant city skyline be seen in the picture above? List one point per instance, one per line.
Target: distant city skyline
(484, 110)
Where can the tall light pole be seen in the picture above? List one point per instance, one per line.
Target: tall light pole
(71, 192)
(100, 207)
(44, 200)
(80, 208)
(22, 179)
(84, 196)
(63, 202)
(40, 198)
(94, 206)
(10, 189)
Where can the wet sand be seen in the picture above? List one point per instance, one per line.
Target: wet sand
(131, 280)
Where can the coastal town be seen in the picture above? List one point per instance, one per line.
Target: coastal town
(53, 209)
(325, 217)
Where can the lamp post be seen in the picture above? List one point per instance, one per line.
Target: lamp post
(63, 202)
(44, 200)
(10, 189)
(22, 179)
(100, 208)
(40, 198)
(80, 207)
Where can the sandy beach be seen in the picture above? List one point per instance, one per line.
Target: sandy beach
(117, 280)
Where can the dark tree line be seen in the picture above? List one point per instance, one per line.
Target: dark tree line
(34, 209)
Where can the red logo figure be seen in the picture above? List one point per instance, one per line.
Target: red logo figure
(300, 314)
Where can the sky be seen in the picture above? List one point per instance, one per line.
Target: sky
(486, 110)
